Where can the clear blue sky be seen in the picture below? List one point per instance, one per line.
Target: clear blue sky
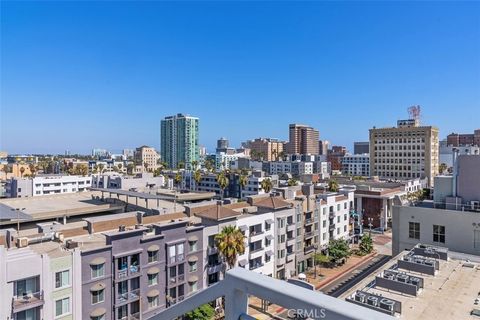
(78, 75)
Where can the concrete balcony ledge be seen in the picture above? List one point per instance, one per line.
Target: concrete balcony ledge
(27, 301)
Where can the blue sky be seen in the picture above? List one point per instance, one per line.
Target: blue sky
(78, 75)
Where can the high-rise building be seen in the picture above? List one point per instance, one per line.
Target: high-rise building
(222, 144)
(323, 147)
(335, 156)
(404, 152)
(361, 147)
(467, 139)
(179, 140)
(265, 148)
(302, 139)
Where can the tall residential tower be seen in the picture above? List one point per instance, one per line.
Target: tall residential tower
(179, 140)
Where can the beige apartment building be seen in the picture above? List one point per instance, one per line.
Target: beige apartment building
(271, 149)
(404, 152)
(302, 139)
(147, 157)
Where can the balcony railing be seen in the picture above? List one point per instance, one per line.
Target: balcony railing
(331, 227)
(331, 215)
(256, 265)
(128, 296)
(256, 233)
(211, 269)
(212, 250)
(134, 316)
(308, 235)
(308, 221)
(256, 249)
(291, 227)
(27, 301)
(129, 271)
(308, 249)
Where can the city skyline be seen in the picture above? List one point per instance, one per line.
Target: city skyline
(244, 72)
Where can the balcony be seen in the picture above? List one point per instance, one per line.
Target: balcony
(308, 221)
(256, 265)
(291, 227)
(128, 296)
(308, 235)
(212, 250)
(291, 242)
(255, 253)
(134, 316)
(27, 301)
(127, 272)
(290, 256)
(256, 235)
(331, 215)
(309, 249)
(211, 269)
(331, 227)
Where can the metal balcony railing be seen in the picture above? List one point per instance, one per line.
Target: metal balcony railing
(27, 301)
(256, 265)
(212, 250)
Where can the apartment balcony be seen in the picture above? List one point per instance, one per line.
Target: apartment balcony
(291, 227)
(211, 269)
(134, 316)
(290, 256)
(331, 215)
(256, 265)
(309, 221)
(212, 250)
(27, 301)
(309, 249)
(128, 296)
(291, 242)
(255, 253)
(127, 272)
(256, 235)
(308, 235)
(175, 280)
(331, 227)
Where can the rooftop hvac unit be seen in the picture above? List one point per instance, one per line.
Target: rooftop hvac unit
(70, 244)
(430, 263)
(360, 297)
(121, 228)
(475, 204)
(402, 278)
(59, 236)
(387, 304)
(22, 242)
(415, 281)
(373, 301)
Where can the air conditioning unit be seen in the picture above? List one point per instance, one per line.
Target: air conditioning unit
(360, 297)
(59, 236)
(387, 304)
(22, 242)
(475, 205)
(373, 301)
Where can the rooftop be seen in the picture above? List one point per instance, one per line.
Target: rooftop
(449, 294)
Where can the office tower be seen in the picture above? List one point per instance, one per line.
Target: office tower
(222, 144)
(361, 147)
(323, 147)
(404, 152)
(179, 140)
(302, 139)
(147, 157)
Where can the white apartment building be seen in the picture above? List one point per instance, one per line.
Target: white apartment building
(296, 168)
(446, 152)
(46, 184)
(300, 168)
(223, 160)
(356, 165)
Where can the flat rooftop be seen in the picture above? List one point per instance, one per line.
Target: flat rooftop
(448, 295)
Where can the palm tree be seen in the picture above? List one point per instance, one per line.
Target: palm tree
(242, 181)
(33, 169)
(181, 165)
(333, 186)
(145, 165)
(101, 168)
(230, 243)
(178, 178)
(442, 168)
(7, 169)
(194, 164)
(197, 176)
(266, 185)
(22, 170)
(130, 168)
(222, 181)
(292, 182)
(120, 167)
(275, 154)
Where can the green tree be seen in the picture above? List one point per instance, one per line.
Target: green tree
(120, 166)
(22, 170)
(338, 249)
(242, 181)
(209, 165)
(442, 168)
(333, 186)
(7, 169)
(194, 164)
(266, 185)
(222, 181)
(230, 243)
(181, 165)
(204, 312)
(178, 179)
(366, 244)
(130, 168)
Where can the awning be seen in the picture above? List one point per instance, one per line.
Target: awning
(97, 261)
(153, 293)
(98, 286)
(153, 270)
(98, 312)
(269, 237)
(153, 247)
(192, 279)
(242, 262)
(192, 238)
(269, 221)
(269, 253)
(192, 258)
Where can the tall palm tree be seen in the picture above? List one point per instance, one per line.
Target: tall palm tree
(178, 178)
(194, 164)
(181, 165)
(274, 154)
(292, 182)
(266, 185)
(33, 169)
(230, 243)
(22, 170)
(130, 168)
(222, 181)
(101, 168)
(197, 176)
(145, 165)
(120, 167)
(242, 181)
(7, 169)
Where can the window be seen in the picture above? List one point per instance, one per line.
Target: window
(344, 217)
(338, 207)
(344, 228)
(324, 223)
(152, 256)
(62, 307)
(122, 312)
(152, 302)
(193, 246)
(98, 296)
(192, 266)
(153, 279)
(438, 233)
(414, 230)
(30, 314)
(98, 270)
(102, 317)
(26, 286)
(62, 279)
